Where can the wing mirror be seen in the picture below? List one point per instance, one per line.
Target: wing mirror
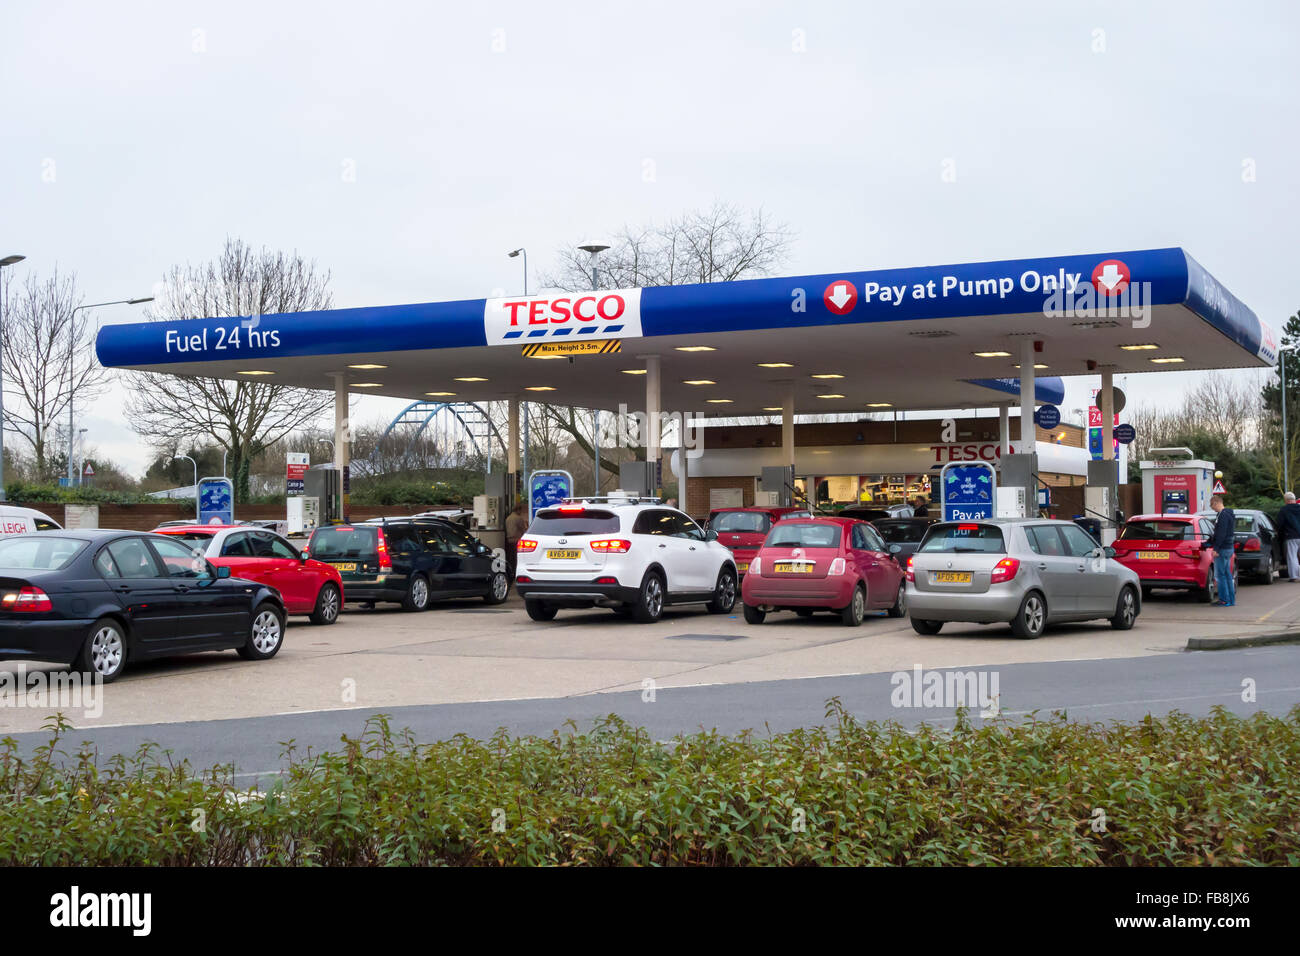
(710, 535)
(223, 572)
(1108, 551)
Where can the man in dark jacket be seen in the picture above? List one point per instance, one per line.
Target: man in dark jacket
(1288, 525)
(1225, 537)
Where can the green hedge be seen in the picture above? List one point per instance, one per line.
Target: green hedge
(1219, 790)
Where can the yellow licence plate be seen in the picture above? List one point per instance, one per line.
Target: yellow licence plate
(566, 554)
(793, 567)
(1153, 555)
(742, 568)
(346, 567)
(952, 577)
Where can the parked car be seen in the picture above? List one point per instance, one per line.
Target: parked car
(902, 536)
(98, 599)
(629, 554)
(823, 564)
(410, 561)
(1026, 572)
(255, 554)
(1260, 550)
(16, 520)
(865, 513)
(743, 529)
(1171, 551)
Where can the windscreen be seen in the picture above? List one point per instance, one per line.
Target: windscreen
(740, 522)
(44, 553)
(1245, 523)
(964, 539)
(554, 521)
(1157, 531)
(804, 536)
(343, 542)
(901, 532)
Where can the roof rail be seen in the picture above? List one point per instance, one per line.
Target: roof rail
(625, 499)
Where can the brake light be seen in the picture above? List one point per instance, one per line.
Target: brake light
(1251, 544)
(526, 545)
(385, 562)
(571, 509)
(523, 579)
(837, 567)
(1004, 570)
(968, 527)
(28, 599)
(607, 580)
(911, 574)
(611, 545)
(755, 566)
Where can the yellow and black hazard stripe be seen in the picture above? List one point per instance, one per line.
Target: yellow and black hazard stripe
(599, 347)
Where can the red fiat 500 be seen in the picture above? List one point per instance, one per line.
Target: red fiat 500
(743, 529)
(307, 586)
(1170, 551)
(823, 564)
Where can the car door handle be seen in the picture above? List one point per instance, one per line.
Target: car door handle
(1042, 565)
(1083, 567)
(692, 547)
(663, 545)
(180, 588)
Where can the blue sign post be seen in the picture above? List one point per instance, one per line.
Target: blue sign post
(1047, 416)
(216, 501)
(1124, 434)
(968, 489)
(547, 489)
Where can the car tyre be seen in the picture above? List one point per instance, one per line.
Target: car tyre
(1210, 593)
(649, 605)
(417, 594)
(1031, 620)
(899, 608)
(1126, 610)
(724, 593)
(104, 651)
(265, 635)
(1266, 570)
(753, 615)
(329, 601)
(928, 628)
(540, 610)
(499, 589)
(853, 612)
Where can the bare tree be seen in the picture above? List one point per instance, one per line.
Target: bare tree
(1222, 405)
(49, 359)
(242, 417)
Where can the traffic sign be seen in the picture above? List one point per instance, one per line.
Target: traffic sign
(1124, 434)
(1219, 489)
(1047, 416)
(840, 296)
(90, 470)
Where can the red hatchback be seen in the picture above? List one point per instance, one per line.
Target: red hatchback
(307, 586)
(743, 529)
(1170, 551)
(823, 564)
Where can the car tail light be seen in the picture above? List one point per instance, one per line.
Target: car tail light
(1188, 552)
(1004, 570)
(385, 561)
(526, 545)
(755, 567)
(1250, 544)
(611, 545)
(837, 567)
(607, 580)
(28, 599)
(523, 579)
(911, 573)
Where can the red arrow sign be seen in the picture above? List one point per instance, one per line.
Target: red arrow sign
(1111, 277)
(840, 296)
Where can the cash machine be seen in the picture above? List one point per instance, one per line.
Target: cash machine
(1176, 483)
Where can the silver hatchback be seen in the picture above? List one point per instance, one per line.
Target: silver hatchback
(1026, 572)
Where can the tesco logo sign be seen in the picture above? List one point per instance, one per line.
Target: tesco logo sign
(612, 314)
(587, 308)
(987, 451)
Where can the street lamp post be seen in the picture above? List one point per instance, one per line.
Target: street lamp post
(594, 249)
(196, 482)
(72, 478)
(518, 252)
(6, 261)
(522, 251)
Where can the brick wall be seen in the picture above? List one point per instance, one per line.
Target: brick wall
(697, 502)
(876, 433)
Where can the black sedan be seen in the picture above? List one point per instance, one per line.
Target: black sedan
(96, 599)
(902, 535)
(1259, 546)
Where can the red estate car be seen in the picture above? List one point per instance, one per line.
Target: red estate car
(743, 529)
(823, 564)
(1171, 551)
(307, 586)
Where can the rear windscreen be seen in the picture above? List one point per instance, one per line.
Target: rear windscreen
(804, 536)
(343, 542)
(553, 521)
(964, 539)
(44, 553)
(1157, 531)
(741, 522)
(903, 532)
(196, 539)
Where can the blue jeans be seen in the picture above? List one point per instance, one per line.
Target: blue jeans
(1223, 576)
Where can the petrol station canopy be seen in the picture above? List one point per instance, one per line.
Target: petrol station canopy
(934, 337)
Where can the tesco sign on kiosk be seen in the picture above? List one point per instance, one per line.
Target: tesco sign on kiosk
(567, 316)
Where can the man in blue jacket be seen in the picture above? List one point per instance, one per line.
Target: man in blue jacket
(1225, 537)
(1288, 524)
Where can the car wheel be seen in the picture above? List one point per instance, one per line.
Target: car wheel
(928, 628)
(754, 616)
(1126, 610)
(499, 589)
(540, 610)
(856, 609)
(1266, 570)
(266, 634)
(650, 602)
(417, 594)
(104, 651)
(328, 602)
(804, 611)
(1031, 619)
(1210, 593)
(900, 602)
(724, 593)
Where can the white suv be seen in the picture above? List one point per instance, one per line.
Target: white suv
(634, 555)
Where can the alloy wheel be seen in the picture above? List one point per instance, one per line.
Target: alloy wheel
(266, 632)
(500, 585)
(106, 651)
(1033, 614)
(654, 596)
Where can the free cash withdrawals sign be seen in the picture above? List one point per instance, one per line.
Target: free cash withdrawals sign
(295, 472)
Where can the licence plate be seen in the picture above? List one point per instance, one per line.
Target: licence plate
(793, 567)
(350, 566)
(1153, 555)
(564, 554)
(952, 577)
(743, 567)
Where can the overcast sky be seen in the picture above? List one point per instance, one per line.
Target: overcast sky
(408, 147)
